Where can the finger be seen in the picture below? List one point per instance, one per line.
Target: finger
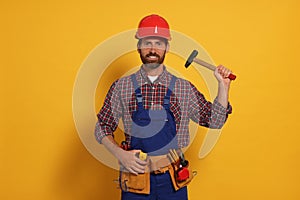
(141, 162)
(138, 169)
(226, 72)
(132, 171)
(135, 151)
(223, 71)
(220, 67)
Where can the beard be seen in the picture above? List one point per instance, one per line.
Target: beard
(152, 64)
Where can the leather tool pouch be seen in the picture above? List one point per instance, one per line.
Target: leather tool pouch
(174, 167)
(135, 183)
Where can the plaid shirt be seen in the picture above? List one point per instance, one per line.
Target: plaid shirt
(186, 103)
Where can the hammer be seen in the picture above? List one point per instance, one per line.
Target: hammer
(192, 58)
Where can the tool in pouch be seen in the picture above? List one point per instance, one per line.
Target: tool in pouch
(129, 182)
(179, 170)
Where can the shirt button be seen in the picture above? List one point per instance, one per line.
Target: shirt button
(152, 103)
(153, 88)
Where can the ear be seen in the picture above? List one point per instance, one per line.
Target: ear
(138, 47)
(168, 47)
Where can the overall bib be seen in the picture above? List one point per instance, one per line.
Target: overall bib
(154, 132)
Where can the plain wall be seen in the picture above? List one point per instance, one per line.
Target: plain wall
(44, 43)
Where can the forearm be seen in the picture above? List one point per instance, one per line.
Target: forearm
(112, 146)
(222, 97)
(220, 108)
(221, 74)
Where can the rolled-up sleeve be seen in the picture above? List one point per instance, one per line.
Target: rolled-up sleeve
(211, 115)
(109, 114)
(219, 114)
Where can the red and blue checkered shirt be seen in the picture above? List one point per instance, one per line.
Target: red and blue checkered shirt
(186, 103)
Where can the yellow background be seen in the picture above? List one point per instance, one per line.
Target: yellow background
(43, 44)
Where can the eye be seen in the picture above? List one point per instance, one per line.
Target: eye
(147, 44)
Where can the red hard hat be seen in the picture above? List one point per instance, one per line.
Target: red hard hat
(153, 25)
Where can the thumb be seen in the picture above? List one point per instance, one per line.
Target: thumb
(136, 150)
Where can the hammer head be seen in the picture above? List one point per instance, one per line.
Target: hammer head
(191, 58)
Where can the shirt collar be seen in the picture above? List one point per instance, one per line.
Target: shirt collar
(162, 78)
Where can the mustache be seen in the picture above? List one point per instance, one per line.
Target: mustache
(152, 54)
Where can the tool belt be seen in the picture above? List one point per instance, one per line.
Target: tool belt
(141, 183)
(180, 173)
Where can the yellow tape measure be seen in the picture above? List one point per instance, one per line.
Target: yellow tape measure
(142, 155)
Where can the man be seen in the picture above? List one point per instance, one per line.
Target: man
(156, 107)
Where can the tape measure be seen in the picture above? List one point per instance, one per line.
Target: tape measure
(142, 155)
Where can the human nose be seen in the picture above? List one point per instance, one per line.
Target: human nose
(152, 49)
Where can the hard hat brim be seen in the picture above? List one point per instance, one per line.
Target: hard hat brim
(153, 32)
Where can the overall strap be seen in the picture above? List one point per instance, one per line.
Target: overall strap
(169, 92)
(138, 93)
